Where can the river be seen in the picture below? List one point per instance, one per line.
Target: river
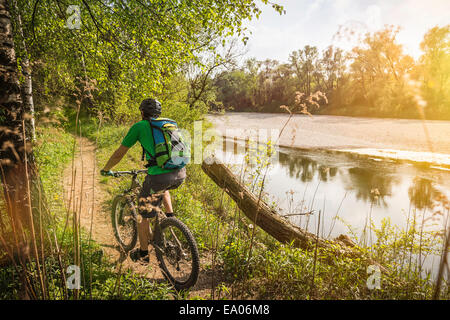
(325, 171)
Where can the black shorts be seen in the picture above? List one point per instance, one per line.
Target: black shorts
(152, 191)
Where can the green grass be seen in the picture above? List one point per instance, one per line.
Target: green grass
(53, 152)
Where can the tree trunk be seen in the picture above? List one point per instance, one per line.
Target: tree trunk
(17, 169)
(12, 145)
(28, 103)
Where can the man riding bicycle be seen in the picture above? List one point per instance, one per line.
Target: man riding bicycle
(158, 181)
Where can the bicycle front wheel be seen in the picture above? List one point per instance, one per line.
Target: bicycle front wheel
(177, 253)
(124, 223)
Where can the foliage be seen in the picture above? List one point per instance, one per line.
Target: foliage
(52, 156)
(374, 79)
(435, 69)
(124, 51)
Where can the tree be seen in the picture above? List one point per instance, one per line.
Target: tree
(17, 169)
(234, 89)
(27, 91)
(379, 71)
(132, 49)
(376, 78)
(201, 90)
(304, 62)
(333, 68)
(435, 69)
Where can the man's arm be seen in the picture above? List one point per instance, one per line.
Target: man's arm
(116, 157)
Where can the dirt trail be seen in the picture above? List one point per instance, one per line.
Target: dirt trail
(85, 194)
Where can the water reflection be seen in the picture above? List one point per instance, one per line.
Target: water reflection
(422, 193)
(305, 169)
(371, 185)
(388, 188)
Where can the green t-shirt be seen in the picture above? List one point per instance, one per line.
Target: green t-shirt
(141, 132)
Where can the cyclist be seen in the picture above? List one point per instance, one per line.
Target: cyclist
(158, 181)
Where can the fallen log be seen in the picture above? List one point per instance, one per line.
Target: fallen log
(267, 218)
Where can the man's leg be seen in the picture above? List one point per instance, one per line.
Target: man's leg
(143, 233)
(167, 201)
(147, 203)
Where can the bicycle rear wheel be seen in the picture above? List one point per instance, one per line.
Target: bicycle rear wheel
(177, 253)
(124, 223)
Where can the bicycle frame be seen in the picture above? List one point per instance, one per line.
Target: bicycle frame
(169, 252)
(134, 183)
(131, 200)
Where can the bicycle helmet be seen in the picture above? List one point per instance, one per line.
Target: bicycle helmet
(150, 108)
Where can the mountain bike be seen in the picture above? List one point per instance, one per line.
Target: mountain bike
(175, 246)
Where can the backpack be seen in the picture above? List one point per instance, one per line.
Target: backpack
(171, 151)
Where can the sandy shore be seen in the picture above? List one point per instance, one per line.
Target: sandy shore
(416, 140)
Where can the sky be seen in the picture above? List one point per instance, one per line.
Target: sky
(315, 22)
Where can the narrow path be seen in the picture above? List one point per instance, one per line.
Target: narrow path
(84, 193)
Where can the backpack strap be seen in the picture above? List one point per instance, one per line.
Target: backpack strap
(152, 161)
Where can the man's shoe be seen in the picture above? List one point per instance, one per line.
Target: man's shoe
(136, 256)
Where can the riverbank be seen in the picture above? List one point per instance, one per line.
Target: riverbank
(402, 139)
